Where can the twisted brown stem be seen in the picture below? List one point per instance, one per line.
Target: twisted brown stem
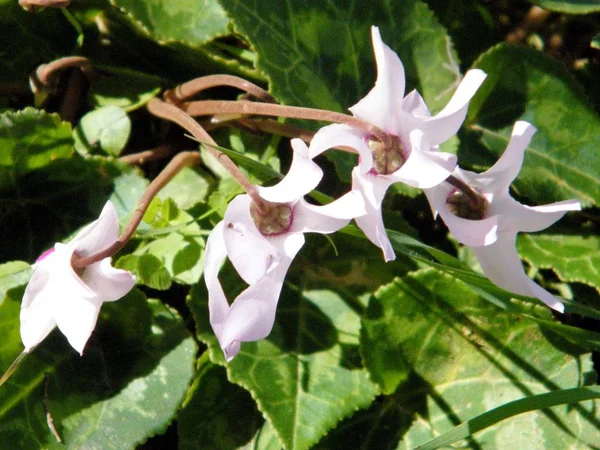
(187, 90)
(181, 160)
(181, 118)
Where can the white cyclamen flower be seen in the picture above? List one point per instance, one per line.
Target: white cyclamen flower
(57, 296)
(262, 253)
(492, 234)
(416, 162)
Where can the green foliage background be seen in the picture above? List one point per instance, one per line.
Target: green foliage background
(363, 354)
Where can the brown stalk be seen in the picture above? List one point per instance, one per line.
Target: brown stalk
(474, 197)
(216, 107)
(32, 5)
(162, 151)
(181, 160)
(45, 73)
(174, 114)
(187, 90)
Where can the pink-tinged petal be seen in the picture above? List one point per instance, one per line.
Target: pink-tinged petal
(328, 218)
(518, 217)
(424, 169)
(249, 251)
(99, 234)
(501, 264)
(499, 177)
(252, 314)
(415, 105)
(373, 188)
(446, 123)
(339, 135)
(304, 175)
(380, 104)
(76, 316)
(214, 256)
(108, 283)
(37, 319)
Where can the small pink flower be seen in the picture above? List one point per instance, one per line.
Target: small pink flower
(419, 164)
(493, 236)
(57, 296)
(262, 259)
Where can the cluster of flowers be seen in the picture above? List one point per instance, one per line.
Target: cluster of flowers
(477, 208)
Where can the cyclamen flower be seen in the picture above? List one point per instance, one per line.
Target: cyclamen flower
(57, 296)
(416, 162)
(491, 230)
(262, 253)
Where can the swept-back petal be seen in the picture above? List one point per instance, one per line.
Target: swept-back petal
(519, 217)
(328, 218)
(249, 251)
(501, 264)
(304, 175)
(424, 169)
(339, 135)
(446, 123)
(36, 317)
(373, 189)
(214, 256)
(99, 234)
(498, 178)
(380, 104)
(108, 283)
(252, 314)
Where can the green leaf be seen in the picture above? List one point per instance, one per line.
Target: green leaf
(535, 402)
(29, 140)
(46, 190)
(307, 375)
(570, 6)
(562, 160)
(126, 89)
(194, 22)
(187, 188)
(13, 274)
(127, 387)
(148, 269)
(217, 415)
(574, 258)
(595, 42)
(105, 129)
(321, 56)
(446, 356)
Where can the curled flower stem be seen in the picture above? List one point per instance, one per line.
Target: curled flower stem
(187, 90)
(476, 200)
(174, 114)
(49, 419)
(45, 73)
(216, 107)
(181, 160)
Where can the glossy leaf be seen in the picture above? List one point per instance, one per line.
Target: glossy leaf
(561, 162)
(47, 190)
(574, 258)
(127, 386)
(193, 22)
(217, 415)
(307, 375)
(432, 343)
(104, 130)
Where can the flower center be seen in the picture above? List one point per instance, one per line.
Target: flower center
(387, 160)
(467, 207)
(277, 220)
